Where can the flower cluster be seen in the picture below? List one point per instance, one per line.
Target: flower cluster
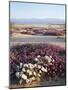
(33, 63)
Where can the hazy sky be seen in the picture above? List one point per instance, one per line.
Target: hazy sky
(33, 10)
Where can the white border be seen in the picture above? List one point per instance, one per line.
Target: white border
(4, 43)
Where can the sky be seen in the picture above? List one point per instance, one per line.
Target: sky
(22, 10)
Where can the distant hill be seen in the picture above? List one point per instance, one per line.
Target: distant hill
(37, 21)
